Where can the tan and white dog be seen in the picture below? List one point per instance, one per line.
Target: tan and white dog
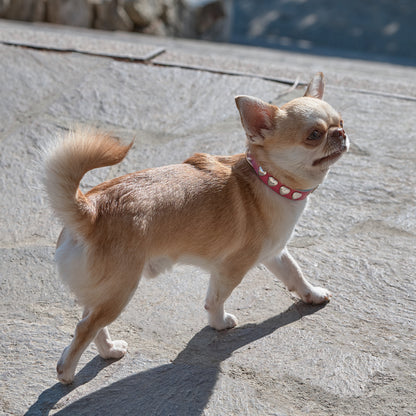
(223, 213)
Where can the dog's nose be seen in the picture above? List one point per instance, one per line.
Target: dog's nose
(341, 138)
(340, 132)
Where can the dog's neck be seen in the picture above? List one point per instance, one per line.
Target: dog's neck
(274, 184)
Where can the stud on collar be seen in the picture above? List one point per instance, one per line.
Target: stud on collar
(275, 185)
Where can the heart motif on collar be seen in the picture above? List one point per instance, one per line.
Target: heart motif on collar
(284, 191)
(272, 181)
(261, 171)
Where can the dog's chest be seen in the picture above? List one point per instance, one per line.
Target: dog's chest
(282, 224)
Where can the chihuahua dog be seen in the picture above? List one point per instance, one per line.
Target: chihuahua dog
(224, 213)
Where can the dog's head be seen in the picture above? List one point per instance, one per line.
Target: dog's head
(299, 140)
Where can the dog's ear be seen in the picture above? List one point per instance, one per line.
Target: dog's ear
(256, 117)
(316, 86)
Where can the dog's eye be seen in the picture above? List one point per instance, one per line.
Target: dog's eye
(341, 123)
(315, 135)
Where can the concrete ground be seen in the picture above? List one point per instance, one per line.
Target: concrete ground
(355, 356)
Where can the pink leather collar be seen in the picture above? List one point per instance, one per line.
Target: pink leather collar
(275, 185)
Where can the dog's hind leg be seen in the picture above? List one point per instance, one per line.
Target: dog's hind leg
(85, 332)
(93, 325)
(107, 348)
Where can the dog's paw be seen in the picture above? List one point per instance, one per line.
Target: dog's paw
(316, 296)
(227, 322)
(65, 371)
(64, 376)
(117, 349)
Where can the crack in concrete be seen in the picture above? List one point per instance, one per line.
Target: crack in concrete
(148, 60)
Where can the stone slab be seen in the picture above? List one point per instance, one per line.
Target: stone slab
(357, 75)
(354, 356)
(45, 37)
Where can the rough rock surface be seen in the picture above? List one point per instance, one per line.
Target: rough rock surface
(355, 356)
(70, 12)
(111, 16)
(207, 19)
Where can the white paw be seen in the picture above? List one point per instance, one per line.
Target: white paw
(65, 371)
(116, 350)
(316, 296)
(65, 376)
(228, 321)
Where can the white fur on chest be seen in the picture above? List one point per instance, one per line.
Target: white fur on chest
(286, 214)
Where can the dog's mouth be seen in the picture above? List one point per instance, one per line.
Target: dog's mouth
(338, 143)
(331, 158)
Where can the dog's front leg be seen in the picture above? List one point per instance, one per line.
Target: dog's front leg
(288, 271)
(220, 288)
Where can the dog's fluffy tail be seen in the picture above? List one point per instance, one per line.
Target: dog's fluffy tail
(66, 162)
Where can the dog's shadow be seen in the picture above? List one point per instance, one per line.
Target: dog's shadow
(180, 388)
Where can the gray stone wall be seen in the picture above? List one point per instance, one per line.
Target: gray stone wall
(156, 17)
